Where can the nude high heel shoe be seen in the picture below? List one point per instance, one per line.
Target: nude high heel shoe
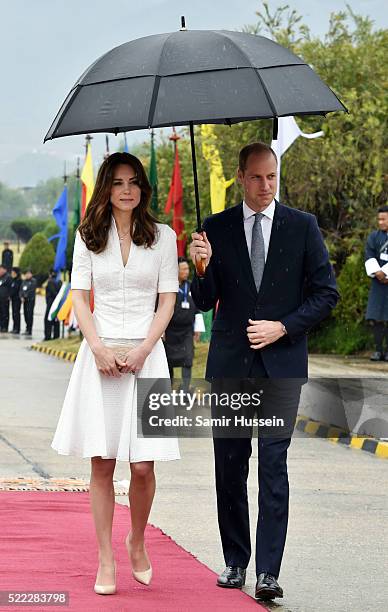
(106, 589)
(143, 577)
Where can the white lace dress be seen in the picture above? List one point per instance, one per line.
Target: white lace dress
(99, 413)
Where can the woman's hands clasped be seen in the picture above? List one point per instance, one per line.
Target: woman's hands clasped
(134, 360)
(109, 364)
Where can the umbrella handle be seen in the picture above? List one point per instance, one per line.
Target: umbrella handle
(200, 263)
(200, 266)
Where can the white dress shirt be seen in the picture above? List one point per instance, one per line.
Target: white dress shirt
(266, 224)
(125, 296)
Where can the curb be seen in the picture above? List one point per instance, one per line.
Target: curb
(340, 436)
(65, 355)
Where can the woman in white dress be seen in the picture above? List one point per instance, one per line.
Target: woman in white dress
(130, 262)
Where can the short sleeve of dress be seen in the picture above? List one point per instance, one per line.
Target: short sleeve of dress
(168, 272)
(81, 274)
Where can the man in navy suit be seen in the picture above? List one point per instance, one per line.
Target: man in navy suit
(268, 269)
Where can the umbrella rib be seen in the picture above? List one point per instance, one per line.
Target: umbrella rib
(163, 76)
(266, 92)
(257, 73)
(157, 82)
(76, 91)
(155, 92)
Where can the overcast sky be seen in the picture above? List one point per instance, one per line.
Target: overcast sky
(45, 45)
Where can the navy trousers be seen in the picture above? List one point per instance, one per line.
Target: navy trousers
(231, 473)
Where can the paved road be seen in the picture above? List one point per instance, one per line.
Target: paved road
(336, 557)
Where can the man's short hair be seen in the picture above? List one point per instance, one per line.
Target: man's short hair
(256, 148)
(383, 209)
(182, 260)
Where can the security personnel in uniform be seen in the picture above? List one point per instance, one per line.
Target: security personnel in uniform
(5, 282)
(52, 289)
(15, 298)
(376, 265)
(7, 257)
(27, 295)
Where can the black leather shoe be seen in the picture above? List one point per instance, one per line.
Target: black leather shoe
(377, 356)
(233, 577)
(267, 587)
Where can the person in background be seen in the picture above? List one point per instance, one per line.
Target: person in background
(184, 327)
(7, 257)
(5, 282)
(52, 289)
(27, 296)
(376, 265)
(15, 298)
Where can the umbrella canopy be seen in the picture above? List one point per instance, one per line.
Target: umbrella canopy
(191, 77)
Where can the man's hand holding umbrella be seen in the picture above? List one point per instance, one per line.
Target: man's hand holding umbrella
(200, 248)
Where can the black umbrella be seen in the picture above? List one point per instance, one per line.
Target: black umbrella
(188, 78)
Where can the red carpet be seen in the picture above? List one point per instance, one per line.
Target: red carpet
(47, 542)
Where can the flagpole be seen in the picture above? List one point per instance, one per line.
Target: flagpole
(88, 139)
(65, 177)
(77, 175)
(106, 147)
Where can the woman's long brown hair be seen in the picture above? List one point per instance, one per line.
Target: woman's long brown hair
(94, 228)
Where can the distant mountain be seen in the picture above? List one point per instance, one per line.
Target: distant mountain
(30, 168)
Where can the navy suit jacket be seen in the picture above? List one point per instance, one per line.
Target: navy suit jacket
(298, 288)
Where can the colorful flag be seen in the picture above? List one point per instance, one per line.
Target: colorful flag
(76, 220)
(218, 184)
(175, 200)
(59, 300)
(153, 176)
(60, 213)
(65, 310)
(288, 132)
(87, 179)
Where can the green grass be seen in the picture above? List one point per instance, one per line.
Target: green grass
(341, 339)
(71, 344)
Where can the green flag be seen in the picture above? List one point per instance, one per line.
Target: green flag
(153, 177)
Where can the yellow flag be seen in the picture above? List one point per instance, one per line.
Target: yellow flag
(64, 312)
(218, 183)
(87, 178)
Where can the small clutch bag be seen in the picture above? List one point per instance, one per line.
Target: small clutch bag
(121, 350)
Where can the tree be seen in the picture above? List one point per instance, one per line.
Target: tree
(342, 177)
(26, 227)
(39, 256)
